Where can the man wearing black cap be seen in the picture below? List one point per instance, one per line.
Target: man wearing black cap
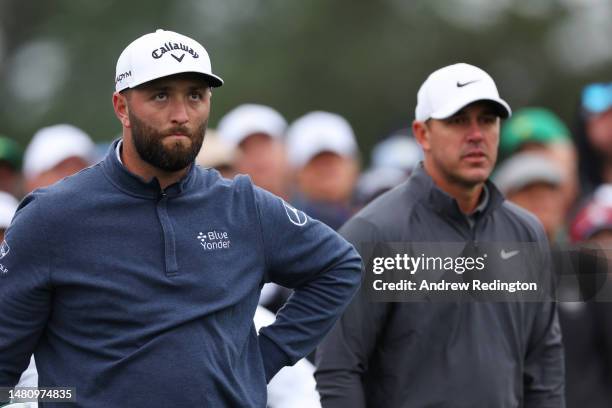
(447, 353)
(135, 282)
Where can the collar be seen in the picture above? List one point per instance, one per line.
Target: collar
(134, 185)
(118, 150)
(446, 205)
(484, 200)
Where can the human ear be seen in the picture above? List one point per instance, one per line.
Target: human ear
(121, 108)
(421, 134)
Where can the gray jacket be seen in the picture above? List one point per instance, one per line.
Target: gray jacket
(442, 354)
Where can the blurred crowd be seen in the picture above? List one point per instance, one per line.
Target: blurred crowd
(561, 172)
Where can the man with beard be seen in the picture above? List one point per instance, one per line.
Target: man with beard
(448, 351)
(135, 282)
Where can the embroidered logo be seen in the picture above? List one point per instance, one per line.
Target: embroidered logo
(4, 249)
(461, 85)
(508, 254)
(123, 76)
(296, 216)
(213, 240)
(174, 48)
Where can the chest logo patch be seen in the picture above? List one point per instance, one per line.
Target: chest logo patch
(214, 240)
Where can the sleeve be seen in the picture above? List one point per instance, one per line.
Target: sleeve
(342, 358)
(25, 290)
(544, 373)
(323, 269)
(292, 386)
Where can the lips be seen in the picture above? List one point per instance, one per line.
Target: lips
(475, 154)
(175, 135)
(178, 132)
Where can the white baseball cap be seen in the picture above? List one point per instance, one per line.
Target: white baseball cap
(8, 206)
(399, 151)
(249, 119)
(215, 152)
(53, 144)
(449, 89)
(318, 132)
(524, 169)
(160, 54)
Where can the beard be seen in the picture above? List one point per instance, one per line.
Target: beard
(148, 142)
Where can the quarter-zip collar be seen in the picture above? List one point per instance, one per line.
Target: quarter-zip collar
(446, 205)
(134, 185)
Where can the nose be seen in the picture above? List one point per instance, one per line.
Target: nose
(178, 112)
(475, 133)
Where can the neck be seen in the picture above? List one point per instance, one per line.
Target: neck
(132, 161)
(467, 196)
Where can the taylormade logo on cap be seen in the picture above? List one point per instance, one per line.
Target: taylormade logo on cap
(453, 87)
(160, 54)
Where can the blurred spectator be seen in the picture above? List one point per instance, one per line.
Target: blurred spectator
(376, 181)
(399, 151)
(217, 154)
(594, 136)
(392, 162)
(587, 331)
(538, 129)
(323, 152)
(8, 206)
(10, 166)
(533, 181)
(56, 152)
(594, 220)
(257, 131)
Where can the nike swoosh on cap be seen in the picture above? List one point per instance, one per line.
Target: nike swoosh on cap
(461, 85)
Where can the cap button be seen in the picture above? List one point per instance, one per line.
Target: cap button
(159, 30)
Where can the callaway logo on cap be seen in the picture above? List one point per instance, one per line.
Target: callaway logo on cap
(449, 89)
(160, 54)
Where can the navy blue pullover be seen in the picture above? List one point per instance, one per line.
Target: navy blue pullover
(142, 297)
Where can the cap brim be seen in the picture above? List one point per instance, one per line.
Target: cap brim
(213, 80)
(449, 110)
